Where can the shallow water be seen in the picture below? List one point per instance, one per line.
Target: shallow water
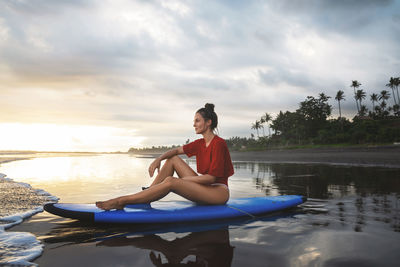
(352, 217)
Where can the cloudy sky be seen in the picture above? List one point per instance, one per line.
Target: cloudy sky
(85, 75)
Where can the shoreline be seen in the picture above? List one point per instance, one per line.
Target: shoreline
(9, 159)
(14, 156)
(376, 156)
(380, 156)
(18, 202)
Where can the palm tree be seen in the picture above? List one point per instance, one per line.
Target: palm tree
(396, 84)
(267, 118)
(339, 97)
(262, 121)
(382, 109)
(396, 110)
(374, 98)
(256, 126)
(360, 95)
(355, 84)
(392, 85)
(363, 110)
(384, 95)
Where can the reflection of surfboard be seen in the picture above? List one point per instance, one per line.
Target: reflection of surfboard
(176, 211)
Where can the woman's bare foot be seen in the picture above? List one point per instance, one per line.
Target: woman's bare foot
(110, 204)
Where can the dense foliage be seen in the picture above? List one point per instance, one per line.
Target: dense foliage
(310, 123)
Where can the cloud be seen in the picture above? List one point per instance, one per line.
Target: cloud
(148, 65)
(354, 17)
(277, 76)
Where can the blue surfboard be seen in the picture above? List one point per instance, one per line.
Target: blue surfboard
(176, 211)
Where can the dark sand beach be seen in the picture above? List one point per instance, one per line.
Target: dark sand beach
(383, 156)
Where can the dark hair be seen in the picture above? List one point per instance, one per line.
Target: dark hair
(208, 113)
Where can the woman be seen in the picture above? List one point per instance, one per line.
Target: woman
(213, 164)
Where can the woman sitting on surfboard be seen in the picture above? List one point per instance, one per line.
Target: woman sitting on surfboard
(214, 166)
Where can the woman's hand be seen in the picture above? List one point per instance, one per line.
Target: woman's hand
(153, 166)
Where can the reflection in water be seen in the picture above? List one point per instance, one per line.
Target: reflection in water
(364, 194)
(194, 244)
(82, 179)
(210, 248)
(352, 218)
(322, 181)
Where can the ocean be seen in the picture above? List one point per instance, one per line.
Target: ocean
(352, 217)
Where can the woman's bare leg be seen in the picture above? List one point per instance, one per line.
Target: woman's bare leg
(205, 194)
(170, 166)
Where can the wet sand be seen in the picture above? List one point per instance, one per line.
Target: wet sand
(382, 156)
(9, 159)
(6, 156)
(16, 198)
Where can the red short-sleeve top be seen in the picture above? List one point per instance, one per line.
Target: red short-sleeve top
(214, 159)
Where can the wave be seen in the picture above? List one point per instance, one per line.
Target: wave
(19, 201)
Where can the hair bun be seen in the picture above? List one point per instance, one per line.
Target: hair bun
(209, 107)
(208, 113)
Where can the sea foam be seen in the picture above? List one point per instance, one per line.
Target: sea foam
(19, 201)
(19, 248)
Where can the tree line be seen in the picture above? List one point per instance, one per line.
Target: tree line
(153, 149)
(311, 124)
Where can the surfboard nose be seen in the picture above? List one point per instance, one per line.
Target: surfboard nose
(303, 198)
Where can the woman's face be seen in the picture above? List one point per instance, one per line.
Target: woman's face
(200, 125)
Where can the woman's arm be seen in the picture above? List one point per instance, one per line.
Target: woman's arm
(157, 162)
(171, 153)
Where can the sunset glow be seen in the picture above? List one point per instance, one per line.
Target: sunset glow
(53, 137)
(107, 75)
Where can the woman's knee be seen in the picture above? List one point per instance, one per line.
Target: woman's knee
(172, 160)
(169, 180)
